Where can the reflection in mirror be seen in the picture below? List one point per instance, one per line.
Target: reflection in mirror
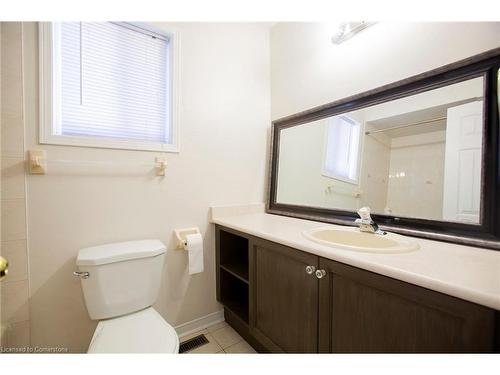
(418, 156)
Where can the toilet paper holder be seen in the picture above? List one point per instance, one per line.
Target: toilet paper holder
(181, 234)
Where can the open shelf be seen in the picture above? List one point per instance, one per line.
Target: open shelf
(234, 254)
(237, 270)
(233, 289)
(234, 294)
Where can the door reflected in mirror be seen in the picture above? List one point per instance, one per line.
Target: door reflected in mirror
(419, 156)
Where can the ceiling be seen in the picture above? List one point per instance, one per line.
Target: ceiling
(412, 118)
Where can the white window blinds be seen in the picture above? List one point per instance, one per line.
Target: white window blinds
(111, 82)
(342, 149)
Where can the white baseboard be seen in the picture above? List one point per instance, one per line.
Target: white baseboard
(187, 328)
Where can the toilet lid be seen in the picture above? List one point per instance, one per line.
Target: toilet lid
(144, 331)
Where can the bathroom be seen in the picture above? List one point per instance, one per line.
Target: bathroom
(254, 147)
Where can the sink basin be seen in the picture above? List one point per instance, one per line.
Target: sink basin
(352, 239)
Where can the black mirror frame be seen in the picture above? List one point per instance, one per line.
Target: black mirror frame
(487, 233)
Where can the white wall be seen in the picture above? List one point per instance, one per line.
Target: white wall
(307, 70)
(416, 176)
(15, 287)
(225, 116)
(375, 173)
(299, 170)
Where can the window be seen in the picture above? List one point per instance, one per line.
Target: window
(107, 84)
(341, 158)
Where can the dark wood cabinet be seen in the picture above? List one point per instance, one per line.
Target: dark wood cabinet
(272, 301)
(284, 298)
(363, 312)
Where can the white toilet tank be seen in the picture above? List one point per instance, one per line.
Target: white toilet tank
(122, 277)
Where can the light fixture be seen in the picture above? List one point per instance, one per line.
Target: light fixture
(347, 30)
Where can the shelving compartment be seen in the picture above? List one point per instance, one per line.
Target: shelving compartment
(234, 255)
(233, 273)
(234, 294)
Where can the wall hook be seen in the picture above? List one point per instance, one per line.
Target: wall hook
(161, 165)
(37, 160)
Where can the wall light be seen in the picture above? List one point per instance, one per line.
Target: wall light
(347, 30)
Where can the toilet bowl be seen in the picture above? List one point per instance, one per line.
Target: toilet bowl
(141, 332)
(120, 283)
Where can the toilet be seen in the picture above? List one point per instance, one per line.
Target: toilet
(120, 283)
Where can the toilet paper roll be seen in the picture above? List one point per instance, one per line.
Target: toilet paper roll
(195, 253)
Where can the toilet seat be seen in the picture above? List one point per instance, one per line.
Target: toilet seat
(144, 331)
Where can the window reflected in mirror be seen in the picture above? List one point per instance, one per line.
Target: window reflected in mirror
(419, 156)
(341, 150)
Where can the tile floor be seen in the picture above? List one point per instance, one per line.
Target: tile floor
(222, 339)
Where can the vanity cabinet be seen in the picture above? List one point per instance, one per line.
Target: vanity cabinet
(363, 312)
(297, 302)
(284, 298)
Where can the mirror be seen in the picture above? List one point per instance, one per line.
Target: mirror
(419, 156)
(423, 153)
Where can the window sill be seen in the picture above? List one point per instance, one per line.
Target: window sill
(119, 144)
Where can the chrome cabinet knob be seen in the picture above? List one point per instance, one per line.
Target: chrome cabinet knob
(320, 274)
(310, 270)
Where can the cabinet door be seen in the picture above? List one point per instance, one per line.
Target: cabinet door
(362, 312)
(284, 298)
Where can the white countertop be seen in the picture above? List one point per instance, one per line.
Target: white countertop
(470, 273)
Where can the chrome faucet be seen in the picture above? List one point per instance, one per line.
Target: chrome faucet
(366, 223)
